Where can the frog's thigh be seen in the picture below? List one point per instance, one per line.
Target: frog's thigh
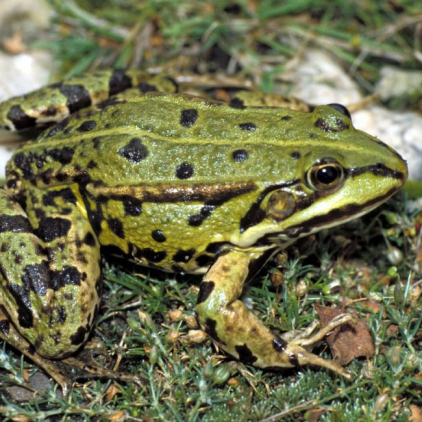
(49, 275)
(235, 328)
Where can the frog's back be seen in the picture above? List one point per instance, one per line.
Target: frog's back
(157, 138)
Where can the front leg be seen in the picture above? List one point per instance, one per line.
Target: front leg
(238, 331)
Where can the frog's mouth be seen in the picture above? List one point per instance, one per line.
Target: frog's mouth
(335, 217)
(378, 169)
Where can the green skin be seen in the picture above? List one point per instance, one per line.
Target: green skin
(182, 184)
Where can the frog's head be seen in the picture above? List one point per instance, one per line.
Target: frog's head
(339, 173)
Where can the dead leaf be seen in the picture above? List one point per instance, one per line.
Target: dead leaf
(416, 413)
(119, 416)
(392, 330)
(313, 415)
(233, 382)
(15, 44)
(347, 341)
(111, 391)
(374, 306)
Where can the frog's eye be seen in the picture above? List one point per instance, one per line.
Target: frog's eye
(341, 108)
(325, 175)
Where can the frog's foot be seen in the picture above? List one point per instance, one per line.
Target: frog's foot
(303, 341)
(304, 337)
(239, 332)
(85, 366)
(65, 371)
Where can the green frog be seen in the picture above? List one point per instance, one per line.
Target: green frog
(177, 182)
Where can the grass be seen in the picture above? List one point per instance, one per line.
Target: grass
(146, 322)
(257, 38)
(145, 319)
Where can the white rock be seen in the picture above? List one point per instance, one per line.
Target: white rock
(396, 82)
(319, 79)
(24, 72)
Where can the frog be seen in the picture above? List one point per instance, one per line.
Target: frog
(176, 182)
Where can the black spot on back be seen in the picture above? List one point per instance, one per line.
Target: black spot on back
(286, 118)
(77, 97)
(96, 141)
(188, 117)
(237, 103)
(240, 155)
(92, 165)
(19, 118)
(184, 171)
(135, 151)
(337, 125)
(118, 82)
(62, 155)
(87, 126)
(24, 163)
(58, 127)
(248, 126)
(110, 102)
(295, 155)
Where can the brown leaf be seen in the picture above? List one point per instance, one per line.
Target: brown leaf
(111, 391)
(374, 306)
(14, 45)
(416, 413)
(392, 330)
(347, 341)
(313, 414)
(118, 416)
